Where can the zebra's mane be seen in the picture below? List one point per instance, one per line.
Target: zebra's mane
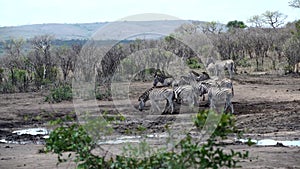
(145, 95)
(194, 73)
(206, 74)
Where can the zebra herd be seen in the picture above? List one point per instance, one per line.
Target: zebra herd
(187, 89)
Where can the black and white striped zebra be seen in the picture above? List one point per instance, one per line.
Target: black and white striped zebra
(215, 82)
(201, 88)
(218, 95)
(165, 81)
(186, 94)
(156, 94)
(190, 93)
(227, 83)
(191, 78)
(215, 68)
(225, 64)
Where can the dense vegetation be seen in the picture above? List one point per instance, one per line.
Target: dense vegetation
(44, 62)
(189, 153)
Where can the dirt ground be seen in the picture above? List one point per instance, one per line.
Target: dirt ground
(266, 106)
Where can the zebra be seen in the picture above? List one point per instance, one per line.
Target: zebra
(165, 81)
(184, 80)
(217, 94)
(192, 91)
(155, 94)
(186, 93)
(227, 83)
(225, 64)
(216, 68)
(191, 78)
(215, 82)
(211, 68)
(201, 88)
(202, 77)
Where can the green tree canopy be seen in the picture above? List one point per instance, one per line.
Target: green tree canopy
(236, 24)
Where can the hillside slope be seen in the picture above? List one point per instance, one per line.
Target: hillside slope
(86, 30)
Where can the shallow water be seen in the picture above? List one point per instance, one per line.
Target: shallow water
(32, 131)
(132, 139)
(27, 136)
(270, 142)
(38, 135)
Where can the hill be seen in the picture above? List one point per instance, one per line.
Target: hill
(86, 30)
(60, 31)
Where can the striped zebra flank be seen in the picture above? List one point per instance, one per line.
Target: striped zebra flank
(201, 89)
(156, 94)
(186, 94)
(226, 83)
(218, 95)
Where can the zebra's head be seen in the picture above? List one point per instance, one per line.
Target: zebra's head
(143, 98)
(203, 89)
(141, 104)
(202, 77)
(158, 78)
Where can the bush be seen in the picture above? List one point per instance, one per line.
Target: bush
(187, 154)
(244, 62)
(193, 63)
(6, 87)
(72, 138)
(103, 95)
(59, 94)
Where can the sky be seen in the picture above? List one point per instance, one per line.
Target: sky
(24, 12)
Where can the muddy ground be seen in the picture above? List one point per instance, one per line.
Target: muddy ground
(266, 107)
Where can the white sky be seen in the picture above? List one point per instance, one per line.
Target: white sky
(23, 12)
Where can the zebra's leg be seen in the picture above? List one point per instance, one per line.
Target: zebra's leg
(225, 107)
(154, 106)
(190, 100)
(210, 100)
(170, 102)
(166, 108)
(196, 100)
(209, 97)
(231, 106)
(230, 71)
(212, 105)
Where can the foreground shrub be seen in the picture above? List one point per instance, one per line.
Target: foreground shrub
(187, 154)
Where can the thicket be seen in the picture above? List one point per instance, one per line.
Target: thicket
(188, 153)
(263, 46)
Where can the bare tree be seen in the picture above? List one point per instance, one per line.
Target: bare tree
(41, 58)
(292, 46)
(41, 45)
(65, 60)
(187, 28)
(13, 60)
(256, 20)
(211, 27)
(294, 3)
(274, 19)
